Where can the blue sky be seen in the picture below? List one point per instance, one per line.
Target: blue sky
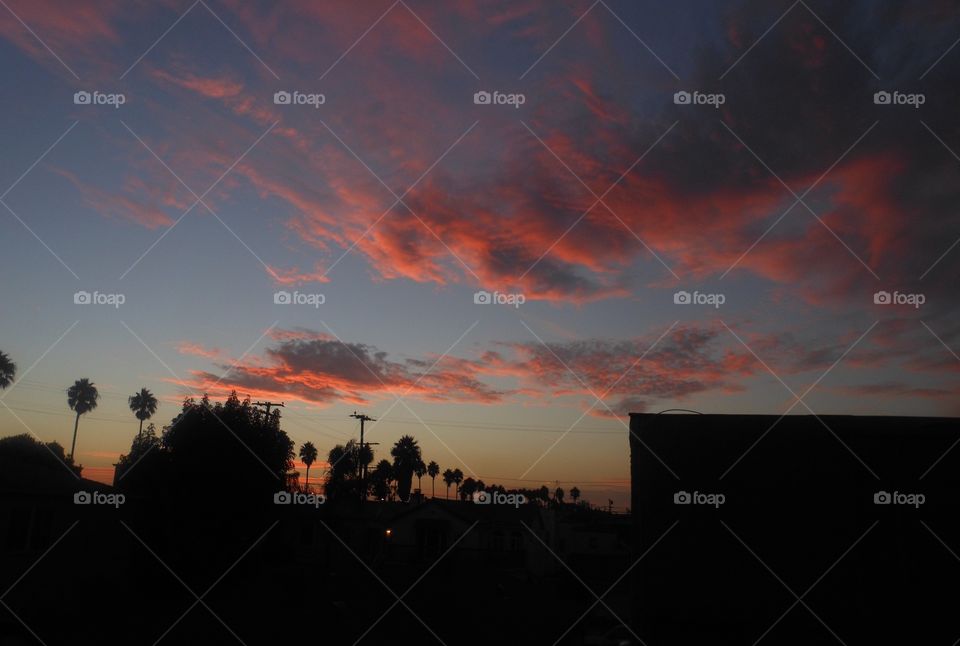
(597, 200)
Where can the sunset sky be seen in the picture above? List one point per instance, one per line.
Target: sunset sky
(597, 199)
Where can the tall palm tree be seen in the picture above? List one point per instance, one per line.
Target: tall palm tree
(433, 470)
(448, 477)
(406, 457)
(420, 471)
(457, 479)
(575, 494)
(144, 405)
(7, 369)
(82, 398)
(308, 454)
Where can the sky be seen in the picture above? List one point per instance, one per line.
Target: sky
(498, 227)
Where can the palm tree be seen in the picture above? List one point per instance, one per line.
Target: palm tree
(144, 405)
(558, 496)
(308, 454)
(433, 470)
(457, 479)
(575, 494)
(7, 369)
(419, 472)
(82, 398)
(448, 477)
(406, 457)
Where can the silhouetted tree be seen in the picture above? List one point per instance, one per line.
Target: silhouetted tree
(145, 442)
(468, 489)
(7, 370)
(380, 479)
(204, 520)
(144, 405)
(406, 457)
(82, 398)
(449, 479)
(544, 494)
(558, 496)
(233, 432)
(575, 494)
(308, 454)
(419, 472)
(31, 462)
(457, 479)
(433, 470)
(343, 476)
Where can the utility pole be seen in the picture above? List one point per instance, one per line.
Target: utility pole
(363, 467)
(268, 405)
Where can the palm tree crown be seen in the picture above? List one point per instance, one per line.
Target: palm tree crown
(448, 477)
(82, 398)
(308, 454)
(7, 369)
(433, 470)
(143, 405)
(406, 457)
(420, 471)
(457, 479)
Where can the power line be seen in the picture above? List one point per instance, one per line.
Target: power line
(71, 415)
(592, 430)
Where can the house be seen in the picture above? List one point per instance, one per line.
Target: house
(486, 536)
(744, 514)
